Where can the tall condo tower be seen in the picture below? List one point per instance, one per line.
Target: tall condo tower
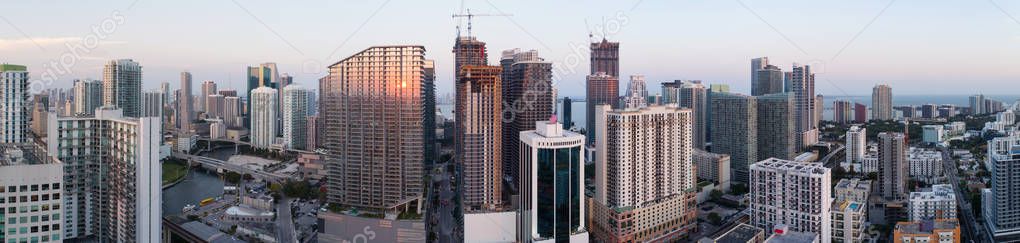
(122, 86)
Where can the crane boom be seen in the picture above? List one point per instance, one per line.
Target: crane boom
(469, 16)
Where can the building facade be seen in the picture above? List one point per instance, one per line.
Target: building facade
(185, 106)
(295, 117)
(1001, 215)
(794, 194)
(881, 102)
(937, 203)
(15, 100)
(892, 169)
(88, 95)
(30, 195)
(734, 131)
(122, 86)
(856, 146)
(767, 80)
(602, 89)
(552, 185)
(644, 175)
(713, 167)
(527, 98)
(775, 120)
(112, 189)
(375, 117)
(263, 117)
(940, 230)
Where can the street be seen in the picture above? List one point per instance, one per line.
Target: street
(969, 222)
(444, 207)
(285, 232)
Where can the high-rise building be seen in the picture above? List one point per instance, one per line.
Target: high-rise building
(929, 111)
(601, 89)
(767, 80)
(842, 111)
(164, 87)
(852, 190)
(892, 170)
(795, 194)
(694, 96)
(856, 146)
(1001, 214)
(214, 106)
(313, 102)
(819, 108)
(428, 87)
(122, 86)
(111, 193)
(263, 117)
(735, 131)
(776, 135)
(713, 167)
(671, 92)
(372, 106)
(14, 103)
(295, 117)
(527, 98)
(937, 203)
(881, 103)
(977, 105)
(227, 92)
(860, 113)
(312, 141)
(478, 145)
(263, 75)
(552, 201)
(849, 220)
(644, 175)
(185, 112)
(802, 82)
(88, 95)
(637, 94)
(758, 64)
(568, 121)
(152, 104)
(30, 179)
(208, 88)
(605, 58)
(232, 111)
(40, 111)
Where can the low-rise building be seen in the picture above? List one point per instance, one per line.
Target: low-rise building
(849, 221)
(853, 190)
(742, 233)
(217, 130)
(261, 202)
(938, 202)
(955, 128)
(245, 214)
(932, 133)
(925, 165)
(940, 230)
(312, 166)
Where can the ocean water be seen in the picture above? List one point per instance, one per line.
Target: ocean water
(578, 108)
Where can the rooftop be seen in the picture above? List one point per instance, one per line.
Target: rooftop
(740, 234)
(927, 226)
(11, 67)
(246, 211)
(23, 154)
(209, 234)
(791, 166)
(793, 237)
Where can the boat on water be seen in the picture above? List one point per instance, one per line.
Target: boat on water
(188, 208)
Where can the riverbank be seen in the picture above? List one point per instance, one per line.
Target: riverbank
(173, 173)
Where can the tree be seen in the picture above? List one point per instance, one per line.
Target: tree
(872, 176)
(714, 218)
(715, 195)
(232, 177)
(738, 189)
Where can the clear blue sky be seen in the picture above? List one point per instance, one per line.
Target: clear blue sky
(917, 46)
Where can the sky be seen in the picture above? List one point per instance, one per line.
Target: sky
(917, 46)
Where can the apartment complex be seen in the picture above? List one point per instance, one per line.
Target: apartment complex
(892, 170)
(373, 106)
(938, 202)
(1000, 212)
(295, 117)
(263, 117)
(185, 104)
(881, 102)
(713, 167)
(734, 131)
(527, 97)
(122, 86)
(792, 194)
(645, 179)
(88, 95)
(849, 221)
(14, 103)
(939, 230)
(111, 188)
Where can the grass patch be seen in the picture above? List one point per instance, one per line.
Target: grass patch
(173, 171)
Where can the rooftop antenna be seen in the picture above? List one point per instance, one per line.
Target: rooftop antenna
(470, 16)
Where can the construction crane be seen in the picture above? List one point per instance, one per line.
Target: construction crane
(469, 16)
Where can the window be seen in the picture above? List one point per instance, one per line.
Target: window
(35, 188)
(55, 187)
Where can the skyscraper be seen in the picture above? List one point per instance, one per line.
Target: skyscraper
(552, 185)
(428, 87)
(295, 117)
(232, 111)
(999, 201)
(694, 96)
(164, 87)
(14, 103)
(776, 137)
(468, 50)
(478, 145)
(263, 117)
(644, 175)
(214, 106)
(152, 104)
(856, 146)
(602, 89)
(735, 131)
(892, 170)
(208, 88)
(637, 93)
(757, 64)
(881, 103)
(185, 112)
(112, 194)
(122, 85)
(263, 75)
(802, 82)
(768, 80)
(88, 96)
(842, 111)
(977, 105)
(795, 194)
(372, 106)
(527, 98)
(567, 114)
(671, 92)
(605, 58)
